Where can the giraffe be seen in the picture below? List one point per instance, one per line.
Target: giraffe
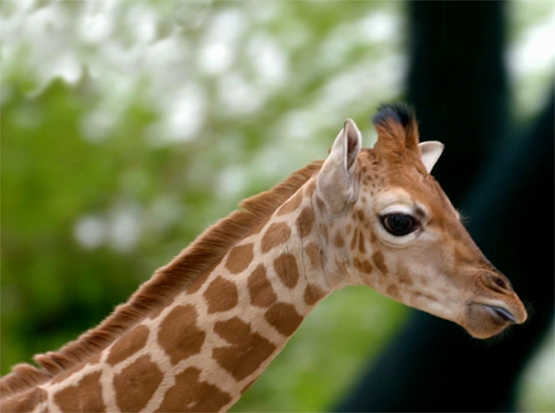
(198, 333)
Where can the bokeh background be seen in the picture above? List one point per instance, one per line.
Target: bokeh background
(127, 127)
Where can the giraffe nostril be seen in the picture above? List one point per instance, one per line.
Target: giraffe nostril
(500, 282)
(496, 282)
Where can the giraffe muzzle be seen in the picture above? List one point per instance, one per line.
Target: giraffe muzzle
(486, 318)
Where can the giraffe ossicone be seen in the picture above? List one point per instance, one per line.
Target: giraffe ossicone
(198, 333)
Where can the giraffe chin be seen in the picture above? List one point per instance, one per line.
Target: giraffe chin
(486, 320)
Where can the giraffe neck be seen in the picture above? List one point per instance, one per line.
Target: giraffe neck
(209, 343)
(212, 341)
(249, 305)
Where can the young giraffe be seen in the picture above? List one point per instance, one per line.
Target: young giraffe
(201, 331)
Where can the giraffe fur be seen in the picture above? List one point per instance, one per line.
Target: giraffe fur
(204, 327)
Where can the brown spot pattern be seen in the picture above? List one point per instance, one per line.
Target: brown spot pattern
(85, 396)
(392, 291)
(313, 294)
(363, 266)
(361, 246)
(292, 204)
(136, 384)
(354, 239)
(321, 205)
(379, 261)
(338, 240)
(313, 251)
(178, 334)
(247, 350)
(261, 291)
(284, 318)
(189, 394)
(286, 268)
(276, 234)
(127, 345)
(221, 295)
(305, 221)
(239, 258)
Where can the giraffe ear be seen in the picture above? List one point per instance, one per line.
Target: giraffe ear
(336, 183)
(430, 152)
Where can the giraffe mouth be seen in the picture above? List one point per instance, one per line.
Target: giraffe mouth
(501, 313)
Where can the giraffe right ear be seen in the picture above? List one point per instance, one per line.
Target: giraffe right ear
(336, 183)
(430, 152)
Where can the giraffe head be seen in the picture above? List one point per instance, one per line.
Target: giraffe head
(401, 235)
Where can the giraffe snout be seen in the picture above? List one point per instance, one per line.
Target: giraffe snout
(493, 306)
(498, 287)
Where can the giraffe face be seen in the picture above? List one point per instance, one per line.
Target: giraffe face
(429, 261)
(403, 236)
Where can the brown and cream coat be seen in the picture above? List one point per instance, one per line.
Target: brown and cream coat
(203, 328)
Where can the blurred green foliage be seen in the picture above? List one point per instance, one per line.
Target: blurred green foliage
(121, 141)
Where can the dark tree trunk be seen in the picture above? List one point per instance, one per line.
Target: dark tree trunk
(457, 84)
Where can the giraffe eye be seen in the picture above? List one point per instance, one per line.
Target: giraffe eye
(399, 224)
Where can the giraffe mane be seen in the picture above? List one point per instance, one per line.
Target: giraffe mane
(195, 260)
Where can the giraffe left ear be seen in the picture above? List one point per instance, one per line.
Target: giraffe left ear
(430, 151)
(336, 183)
